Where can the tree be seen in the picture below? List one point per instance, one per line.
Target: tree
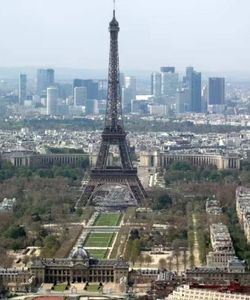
(181, 166)
(148, 259)
(162, 201)
(141, 260)
(176, 252)
(135, 252)
(16, 232)
(162, 264)
(170, 263)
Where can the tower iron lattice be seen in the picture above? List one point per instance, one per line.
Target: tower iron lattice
(113, 134)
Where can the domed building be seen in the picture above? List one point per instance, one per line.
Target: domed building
(78, 267)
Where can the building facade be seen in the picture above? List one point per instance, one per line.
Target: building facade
(193, 83)
(216, 94)
(80, 267)
(187, 293)
(47, 160)
(243, 209)
(80, 96)
(45, 79)
(52, 100)
(90, 85)
(16, 280)
(158, 159)
(156, 84)
(169, 83)
(22, 88)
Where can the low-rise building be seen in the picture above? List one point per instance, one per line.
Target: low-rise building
(235, 271)
(222, 245)
(187, 293)
(243, 209)
(159, 159)
(80, 267)
(16, 280)
(213, 207)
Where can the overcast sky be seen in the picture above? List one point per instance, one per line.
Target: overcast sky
(211, 35)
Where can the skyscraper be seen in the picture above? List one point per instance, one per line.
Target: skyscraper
(52, 99)
(22, 88)
(182, 100)
(216, 93)
(156, 84)
(80, 96)
(169, 82)
(45, 79)
(193, 82)
(128, 93)
(92, 107)
(130, 83)
(90, 85)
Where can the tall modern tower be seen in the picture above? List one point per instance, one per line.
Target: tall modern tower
(52, 99)
(156, 84)
(193, 83)
(114, 135)
(45, 79)
(80, 96)
(90, 85)
(216, 93)
(22, 88)
(169, 82)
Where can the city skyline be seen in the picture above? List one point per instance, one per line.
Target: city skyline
(193, 35)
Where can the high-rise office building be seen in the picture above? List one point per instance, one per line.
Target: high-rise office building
(128, 93)
(22, 88)
(127, 98)
(122, 80)
(216, 91)
(45, 79)
(92, 107)
(182, 100)
(90, 85)
(130, 83)
(102, 89)
(156, 84)
(167, 69)
(193, 83)
(169, 82)
(80, 96)
(52, 100)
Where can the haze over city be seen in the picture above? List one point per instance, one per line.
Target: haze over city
(211, 35)
(125, 150)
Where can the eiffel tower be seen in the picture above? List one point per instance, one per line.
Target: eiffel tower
(114, 134)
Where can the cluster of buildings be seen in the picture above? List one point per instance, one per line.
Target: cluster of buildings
(187, 95)
(169, 93)
(243, 209)
(28, 147)
(82, 96)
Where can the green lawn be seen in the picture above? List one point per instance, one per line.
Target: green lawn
(93, 288)
(99, 239)
(108, 219)
(60, 287)
(99, 253)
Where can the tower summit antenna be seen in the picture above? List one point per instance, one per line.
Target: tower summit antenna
(114, 7)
